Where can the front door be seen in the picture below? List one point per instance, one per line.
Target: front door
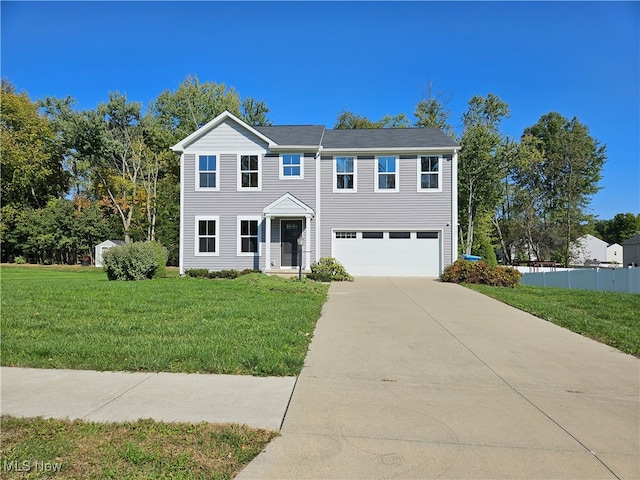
(290, 231)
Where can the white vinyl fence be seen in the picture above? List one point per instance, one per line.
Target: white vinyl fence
(612, 280)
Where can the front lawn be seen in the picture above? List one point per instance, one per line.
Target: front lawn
(77, 319)
(609, 317)
(38, 448)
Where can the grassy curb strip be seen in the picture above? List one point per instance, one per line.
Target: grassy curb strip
(608, 317)
(255, 324)
(39, 448)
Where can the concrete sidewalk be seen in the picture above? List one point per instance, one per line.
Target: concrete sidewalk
(119, 396)
(414, 378)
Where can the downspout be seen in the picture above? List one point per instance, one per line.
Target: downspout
(318, 190)
(181, 234)
(454, 206)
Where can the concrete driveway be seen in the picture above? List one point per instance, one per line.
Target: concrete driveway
(413, 378)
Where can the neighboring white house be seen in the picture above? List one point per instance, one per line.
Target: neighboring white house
(615, 253)
(589, 249)
(381, 201)
(102, 247)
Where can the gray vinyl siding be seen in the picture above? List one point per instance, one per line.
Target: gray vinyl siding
(229, 203)
(406, 209)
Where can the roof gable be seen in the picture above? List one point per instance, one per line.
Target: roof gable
(224, 116)
(287, 205)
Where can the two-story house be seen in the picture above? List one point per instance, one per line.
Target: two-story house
(381, 201)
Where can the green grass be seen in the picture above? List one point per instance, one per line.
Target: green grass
(76, 318)
(610, 317)
(142, 449)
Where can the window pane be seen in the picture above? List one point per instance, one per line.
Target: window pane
(211, 227)
(211, 244)
(344, 165)
(371, 234)
(203, 162)
(386, 181)
(427, 234)
(429, 164)
(249, 244)
(344, 182)
(295, 171)
(244, 227)
(202, 227)
(208, 180)
(387, 164)
(399, 234)
(253, 227)
(429, 180)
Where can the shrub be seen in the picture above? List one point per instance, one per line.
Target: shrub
(463, 271)
(328, 269)
(133, 261)
(20, 260)
(228, 274)
(163, 255)
(197, 272)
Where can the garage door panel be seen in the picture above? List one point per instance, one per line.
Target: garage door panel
(389, 256)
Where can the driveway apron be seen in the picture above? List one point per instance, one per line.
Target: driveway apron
(414, 378)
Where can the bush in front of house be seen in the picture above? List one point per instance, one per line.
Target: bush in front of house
(135, 261)
(228, 274)
(464, 271)
(328, 269)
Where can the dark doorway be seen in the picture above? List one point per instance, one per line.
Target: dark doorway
(290, 231)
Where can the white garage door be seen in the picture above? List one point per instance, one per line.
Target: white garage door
(388, 253)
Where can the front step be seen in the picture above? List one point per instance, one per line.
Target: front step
(285, 273)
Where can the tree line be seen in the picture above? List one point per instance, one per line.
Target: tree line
(73, 178)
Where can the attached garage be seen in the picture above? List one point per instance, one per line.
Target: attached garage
(389, 253)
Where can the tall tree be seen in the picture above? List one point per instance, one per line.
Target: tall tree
(432, 111)
(568, 169)
(620, 228)
(32, 170)
(479, 173)
(193, 104)
(347, 120)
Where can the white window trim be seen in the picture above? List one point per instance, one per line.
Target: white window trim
(196, 251)
(239, 251)
(419, 170)
(282, 176)
(377, 174)
(355, 175)
(239, 172)
(197, 175)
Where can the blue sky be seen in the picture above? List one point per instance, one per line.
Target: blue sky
(310, 60)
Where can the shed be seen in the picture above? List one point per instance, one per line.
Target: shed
(631, 251)
(101, 247)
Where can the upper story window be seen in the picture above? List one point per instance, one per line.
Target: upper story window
(387, 174)
(249, 174)
(429, 173)
(207, 172)
(291, 165)
(344, 174)
(207, 235)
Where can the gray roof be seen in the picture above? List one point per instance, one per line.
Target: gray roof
(387, 138)
(293, 134)
(383, 138)
(632, 241)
